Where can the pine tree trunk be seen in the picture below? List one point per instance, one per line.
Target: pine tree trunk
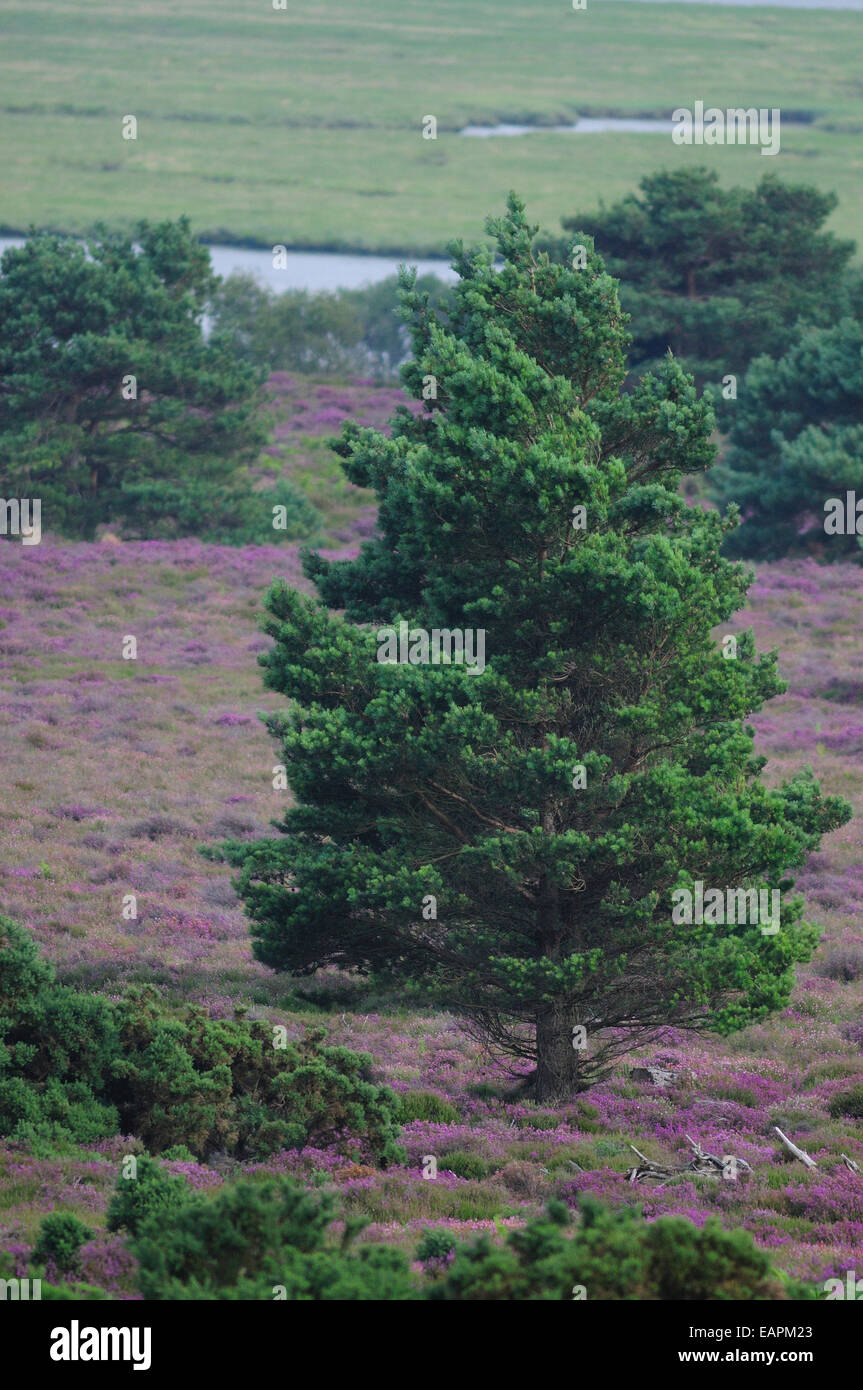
(559, 1066)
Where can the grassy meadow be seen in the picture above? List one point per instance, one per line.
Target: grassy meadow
(303, 126)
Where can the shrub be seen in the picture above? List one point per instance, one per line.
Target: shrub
(616, 1256)
(59, 1242)
(222, 1084)
(525, 1180)
(55, 1047)
(844, 963)
(179, 1153)
(466, 1165)
(79, 1068)
(425, 1105)
(848, 1102)
(152, 1192)
(435, 1251)
(263, 1241)
(271, 1240)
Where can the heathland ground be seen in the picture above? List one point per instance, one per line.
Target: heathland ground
(116, 771)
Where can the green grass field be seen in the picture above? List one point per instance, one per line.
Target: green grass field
(303, 126)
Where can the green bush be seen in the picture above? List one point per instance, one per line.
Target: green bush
(221, 1084)
(435, 1249)
(179, 1152)
(271, 1240)
(466, 1165)
(81, 1068)
(55, 1049)
(614, 1256)
(425, 1105)
(265, 1240)
(847, 1103)
(59, 1242)
(151, 1192)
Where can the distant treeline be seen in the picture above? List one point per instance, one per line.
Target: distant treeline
(718, 276)
(333, 333)
(116, 408)
(761, 304)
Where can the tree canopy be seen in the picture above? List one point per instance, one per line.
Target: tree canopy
(114, 409)
(719, 275)
(797, 443)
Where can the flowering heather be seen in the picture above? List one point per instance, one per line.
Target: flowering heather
(117, 771)
(307, 414)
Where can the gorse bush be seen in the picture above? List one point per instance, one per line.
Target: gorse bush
(222, 1084)
(271, 1239)
(59, 1242)
(80, 1068)
(148, 1192)
(262, 1240)
(56, 1048)
(616, 1256)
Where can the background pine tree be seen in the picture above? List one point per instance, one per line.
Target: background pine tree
(797, 441)
(719, 275)
(114, 408)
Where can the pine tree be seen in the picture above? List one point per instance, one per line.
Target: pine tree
(719, 275)
(510, 838)
(113, 406)
(797, 443)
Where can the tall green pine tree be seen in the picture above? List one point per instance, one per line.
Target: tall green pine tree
(553, 899)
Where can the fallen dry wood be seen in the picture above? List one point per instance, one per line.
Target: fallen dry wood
(792, 1148)
(850, 1164)
(705, 1164)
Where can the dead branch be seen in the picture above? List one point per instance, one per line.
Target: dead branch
(702, 1163)
(792, 1148)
